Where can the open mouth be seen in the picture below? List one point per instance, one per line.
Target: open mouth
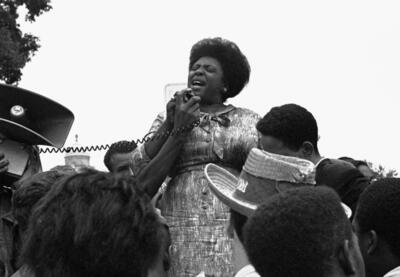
(197, 84)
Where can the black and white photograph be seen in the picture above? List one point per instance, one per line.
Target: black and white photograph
(199, 138)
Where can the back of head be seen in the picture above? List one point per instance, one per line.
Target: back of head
(30, 191)
(119, 147)
(297, 233)
(93, 224)
(379, 210)
(362, 166)
(354, 162)
(290, 123)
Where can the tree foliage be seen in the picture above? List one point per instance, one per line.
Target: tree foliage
(17, 48)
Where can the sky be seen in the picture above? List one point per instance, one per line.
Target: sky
(109, 61)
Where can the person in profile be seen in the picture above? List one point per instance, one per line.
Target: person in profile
(261, 176)
(292, 130)
(118, 157)
(377, 224)
(303, 232)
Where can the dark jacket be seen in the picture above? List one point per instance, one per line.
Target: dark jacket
(344, 178)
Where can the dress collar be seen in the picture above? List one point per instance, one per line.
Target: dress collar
(224, 110)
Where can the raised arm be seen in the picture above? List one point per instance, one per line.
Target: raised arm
(154, 173)
(163, 127)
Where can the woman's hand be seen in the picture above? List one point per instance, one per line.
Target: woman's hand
(187, 110)
(170, 113)
(3, 163)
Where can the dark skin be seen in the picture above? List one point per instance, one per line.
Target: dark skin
(206, 83)
(277, 146)
(378, 257)
(185, 113)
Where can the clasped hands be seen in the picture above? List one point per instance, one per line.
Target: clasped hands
(183, 110)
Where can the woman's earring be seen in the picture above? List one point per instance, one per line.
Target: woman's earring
(225, 90)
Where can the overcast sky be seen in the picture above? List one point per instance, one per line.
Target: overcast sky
(108, 62)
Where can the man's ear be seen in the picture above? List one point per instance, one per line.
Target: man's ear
(372, 242)
(346, 259)
(307, 149)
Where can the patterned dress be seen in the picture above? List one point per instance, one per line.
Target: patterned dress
(197, 219)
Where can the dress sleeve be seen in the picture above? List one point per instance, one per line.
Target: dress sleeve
(243, 137)
(139, 157)
(249, 135)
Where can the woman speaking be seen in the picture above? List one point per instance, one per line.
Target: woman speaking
(217, 71)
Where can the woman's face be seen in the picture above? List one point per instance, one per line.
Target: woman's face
(206, 80)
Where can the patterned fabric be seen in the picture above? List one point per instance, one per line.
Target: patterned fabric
(197, 219)
(267, 165)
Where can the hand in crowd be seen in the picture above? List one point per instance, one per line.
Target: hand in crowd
(3, 163)
(186, 110)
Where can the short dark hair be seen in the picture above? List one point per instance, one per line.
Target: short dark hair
(122, 146)
(93, 224)
(354, 162)
(30, 191)
(379, 209)
(296, 233)
(290, 123)
(235, 67)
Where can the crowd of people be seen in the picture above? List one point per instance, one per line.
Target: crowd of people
(216, 190)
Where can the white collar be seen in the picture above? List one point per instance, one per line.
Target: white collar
(393, 273)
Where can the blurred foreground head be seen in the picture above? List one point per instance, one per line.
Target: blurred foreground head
(96, 224)
(377, 224)
(303, 232)
(29, 191)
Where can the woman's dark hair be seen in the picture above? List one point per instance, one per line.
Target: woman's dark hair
(93, 224)
(236, 68)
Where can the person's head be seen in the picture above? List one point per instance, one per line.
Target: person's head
(96, 224)
(28, 157)
(290, 130)
(254, 177)
(377, 224)
(30, 191)
(118, 156)
(218, 70)
(366, 170)
(303, 232)
(362, 166)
